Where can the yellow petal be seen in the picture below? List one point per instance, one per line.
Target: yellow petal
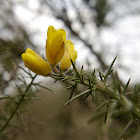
(50, 32)
(55, 45)
(30, 51)
(36, 63)
(70, 53)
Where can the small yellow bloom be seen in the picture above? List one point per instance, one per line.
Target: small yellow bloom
(70, 53)
(36, 63)
(55, 45)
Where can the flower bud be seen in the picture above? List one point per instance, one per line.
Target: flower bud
(55, 45)
(70, 53)
(36, 63)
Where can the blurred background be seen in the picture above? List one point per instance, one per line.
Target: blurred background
(99, 29)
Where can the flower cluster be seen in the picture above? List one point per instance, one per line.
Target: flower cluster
(58, 51)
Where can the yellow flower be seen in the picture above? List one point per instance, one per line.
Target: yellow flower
(55, 45)
(36, 63)
(70, 53)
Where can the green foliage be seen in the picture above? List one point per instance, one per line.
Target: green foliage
(111, 102)
(115, 103)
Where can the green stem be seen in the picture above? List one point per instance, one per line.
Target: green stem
(17, 107)
(102, 88)
(56, 70)
(99, 86)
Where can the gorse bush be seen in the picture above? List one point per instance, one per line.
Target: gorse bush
(115, 100)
